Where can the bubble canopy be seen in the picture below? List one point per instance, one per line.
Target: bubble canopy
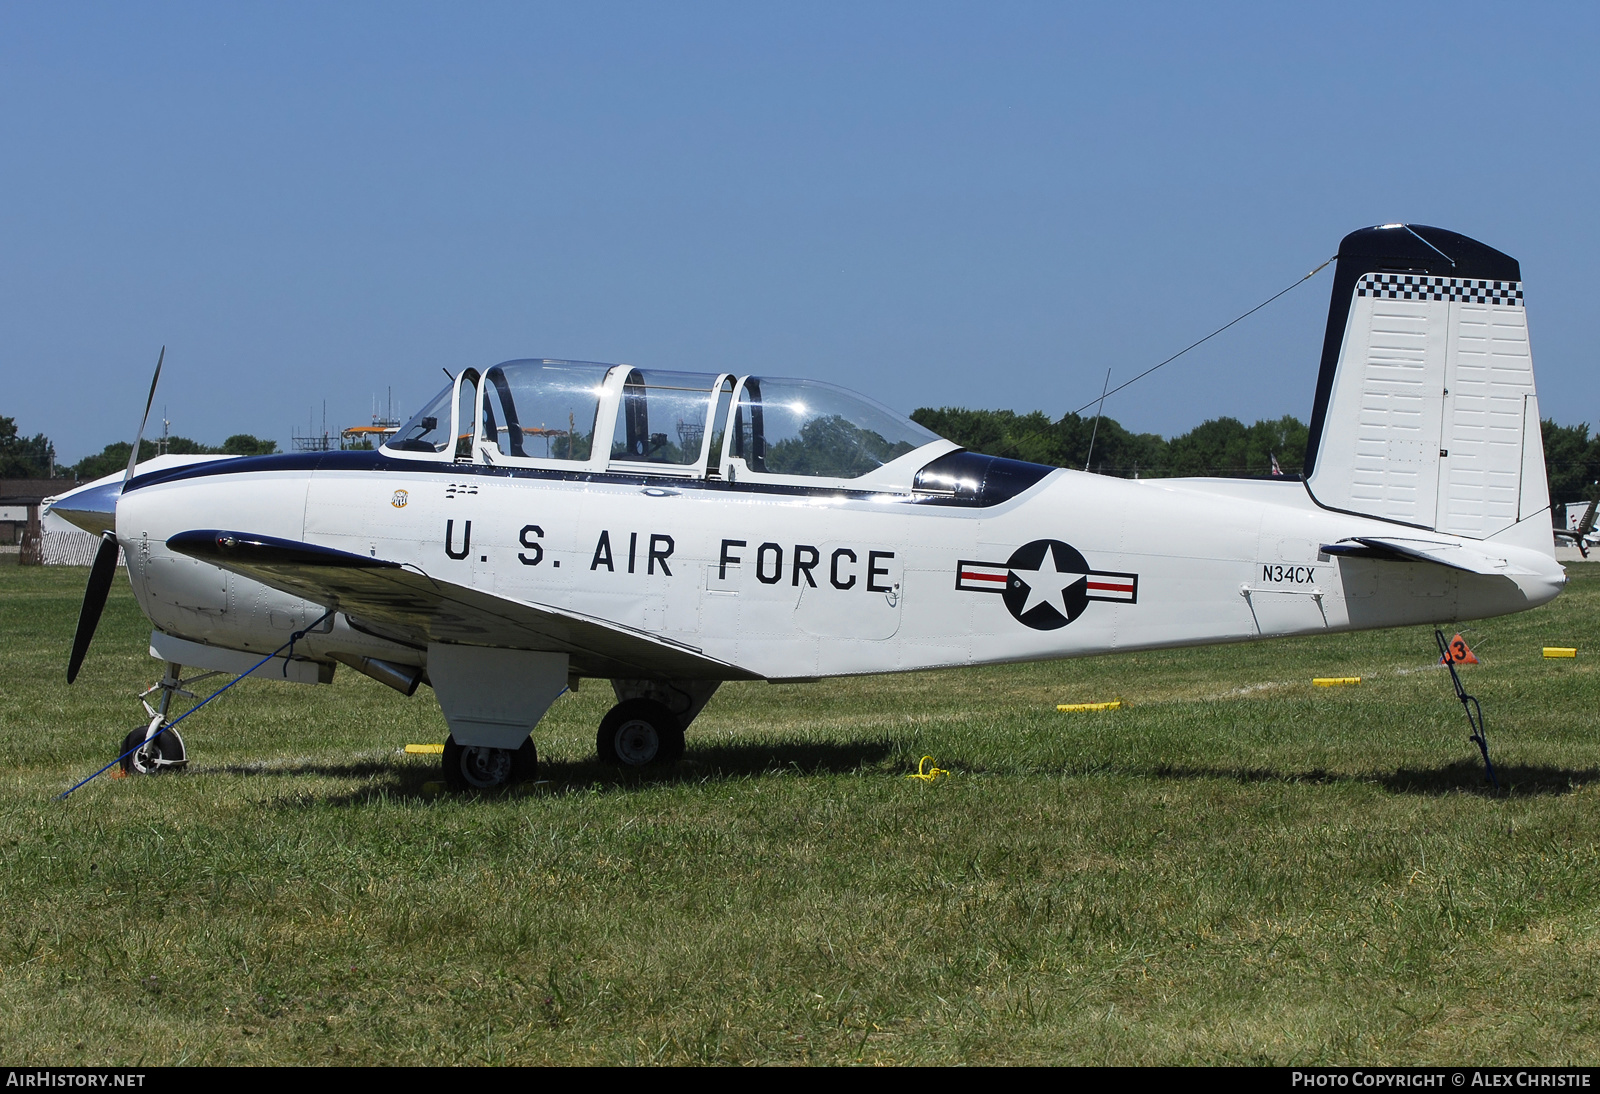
(566, 413)
(785, 426)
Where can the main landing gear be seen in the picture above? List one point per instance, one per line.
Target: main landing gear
(639, 732)
(477, 767)
(645, 728)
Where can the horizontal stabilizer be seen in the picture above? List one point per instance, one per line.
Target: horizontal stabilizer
(1457, 556)
(403, 603)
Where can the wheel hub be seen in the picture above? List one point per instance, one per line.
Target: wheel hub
(637, 742)
(486, 767)
(144, 761)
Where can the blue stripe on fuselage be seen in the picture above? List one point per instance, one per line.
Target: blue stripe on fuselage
(378, 461)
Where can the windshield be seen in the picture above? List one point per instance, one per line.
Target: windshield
(543, 409)
(429, 429)
(806, 427)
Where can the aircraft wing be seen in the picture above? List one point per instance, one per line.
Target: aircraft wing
(1457, 556)
(405, 603)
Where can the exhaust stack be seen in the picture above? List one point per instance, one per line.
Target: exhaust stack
(403, 678)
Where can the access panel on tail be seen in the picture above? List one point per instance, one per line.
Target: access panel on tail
(1426, 412)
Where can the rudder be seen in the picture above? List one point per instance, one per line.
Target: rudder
(1426, 412)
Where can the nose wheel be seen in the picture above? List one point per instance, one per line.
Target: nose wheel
(478, 767)
(639, 733)
(151, 754)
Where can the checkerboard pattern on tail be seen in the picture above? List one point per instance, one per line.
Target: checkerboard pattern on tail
(1423, 287)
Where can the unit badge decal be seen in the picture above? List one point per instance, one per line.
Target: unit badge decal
(1046, 584)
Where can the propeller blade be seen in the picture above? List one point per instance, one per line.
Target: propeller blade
(133, 457)
(1586, 525)
(105, 559)
(94, 601)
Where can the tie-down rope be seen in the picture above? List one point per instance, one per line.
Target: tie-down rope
(289, 645)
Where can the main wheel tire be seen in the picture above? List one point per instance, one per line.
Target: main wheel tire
(639, 733)
(165, 753)
(525, 763)
(477, 767)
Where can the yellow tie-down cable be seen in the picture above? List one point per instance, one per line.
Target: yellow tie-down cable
(927, 771)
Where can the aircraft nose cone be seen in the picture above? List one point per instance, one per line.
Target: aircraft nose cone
(92, 508)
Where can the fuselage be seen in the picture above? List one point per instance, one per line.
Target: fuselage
(789, 583)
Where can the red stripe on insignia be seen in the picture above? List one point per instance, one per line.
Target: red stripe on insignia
(968, 575)
(1110, 586)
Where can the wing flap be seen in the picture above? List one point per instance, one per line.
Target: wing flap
(401, 600)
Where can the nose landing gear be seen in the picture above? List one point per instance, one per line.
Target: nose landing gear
(157, 747)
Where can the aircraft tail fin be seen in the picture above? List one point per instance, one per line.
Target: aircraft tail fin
(1426, 413)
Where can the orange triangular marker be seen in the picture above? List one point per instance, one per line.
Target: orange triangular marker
(1459, 653)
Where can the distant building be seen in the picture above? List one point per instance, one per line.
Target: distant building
(19, 516)
(32, 538)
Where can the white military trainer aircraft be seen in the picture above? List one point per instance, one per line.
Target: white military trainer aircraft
(545, 521)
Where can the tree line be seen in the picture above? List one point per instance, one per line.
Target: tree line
(35, 457)
(1571, 461)
(1221, 446)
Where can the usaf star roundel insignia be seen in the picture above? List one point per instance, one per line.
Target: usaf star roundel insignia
(1046, 584)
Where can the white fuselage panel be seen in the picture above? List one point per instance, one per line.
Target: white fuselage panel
(794, 585)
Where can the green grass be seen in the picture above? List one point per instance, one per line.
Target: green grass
(1236, 867)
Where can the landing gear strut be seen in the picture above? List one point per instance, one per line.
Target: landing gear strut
(157, 747)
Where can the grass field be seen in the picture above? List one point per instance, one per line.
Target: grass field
(1236, 867)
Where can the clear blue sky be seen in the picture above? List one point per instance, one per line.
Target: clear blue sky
(980, 205)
